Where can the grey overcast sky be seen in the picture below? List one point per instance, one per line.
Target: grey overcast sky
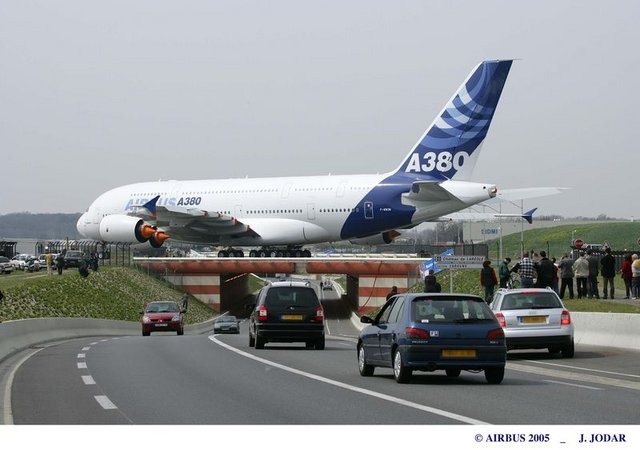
(96, 94)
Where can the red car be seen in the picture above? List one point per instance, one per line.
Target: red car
(162, 316)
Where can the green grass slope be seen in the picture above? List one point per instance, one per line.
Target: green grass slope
(557, 240)
(117, 293)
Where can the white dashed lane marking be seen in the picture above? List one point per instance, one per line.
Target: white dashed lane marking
(104, 401)
(88, 379)
(82, 365)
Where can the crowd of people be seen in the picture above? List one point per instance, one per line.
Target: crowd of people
(540, 271)
(537, 270)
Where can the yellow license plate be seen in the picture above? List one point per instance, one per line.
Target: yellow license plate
(292, 317)
(534, 319)
(458, 353)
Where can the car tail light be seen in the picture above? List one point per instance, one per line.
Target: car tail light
(501, 320)
(319, 314)
(416, 333)
(497, 333)
(262, 313)
(565, 319)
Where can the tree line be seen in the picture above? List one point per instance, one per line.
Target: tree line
(39, 226)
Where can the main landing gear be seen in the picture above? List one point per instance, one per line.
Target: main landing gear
(267, 252)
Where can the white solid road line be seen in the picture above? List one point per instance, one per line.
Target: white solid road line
(389, 398)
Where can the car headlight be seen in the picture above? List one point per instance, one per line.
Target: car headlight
(145, 319)
(176, 318)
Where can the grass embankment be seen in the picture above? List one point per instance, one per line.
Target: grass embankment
(117, 293)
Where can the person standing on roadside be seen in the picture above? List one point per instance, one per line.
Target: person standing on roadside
(48, 258)
(527, 271)
(626, 274)
(545, 270)
(504, 273)
(488, 280)
(592, 280)
(60, 262)
(566, 275)
(608, 272)
(635, 277)
(581, 270)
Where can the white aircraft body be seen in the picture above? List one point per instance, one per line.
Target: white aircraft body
(287, 212)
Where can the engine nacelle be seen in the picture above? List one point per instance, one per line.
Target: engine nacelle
(383, 238)
(121, 228)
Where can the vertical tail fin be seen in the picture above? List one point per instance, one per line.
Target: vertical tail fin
(449, 148)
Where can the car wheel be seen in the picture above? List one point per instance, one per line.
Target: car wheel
(400, 372)
(553, 350)
(453, 373)
(568, 350)
(494, 375)
(146, 333)
(260, 341)
(366, 370)
(320, 343)
(309, 345)
(252, 340)
(180, 331)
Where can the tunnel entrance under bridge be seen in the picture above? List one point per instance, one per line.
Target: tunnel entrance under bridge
(223, 283)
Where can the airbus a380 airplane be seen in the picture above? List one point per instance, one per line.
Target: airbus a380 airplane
(288, 212)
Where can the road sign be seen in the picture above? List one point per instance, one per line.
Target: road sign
(460, 262)
(578, 243)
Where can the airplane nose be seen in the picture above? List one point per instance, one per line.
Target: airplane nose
(80, 224)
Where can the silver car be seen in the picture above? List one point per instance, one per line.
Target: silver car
(534, 318)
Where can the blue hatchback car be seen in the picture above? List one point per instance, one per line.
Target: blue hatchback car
(428, 332)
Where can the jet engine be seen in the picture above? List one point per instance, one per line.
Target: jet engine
(383, 238)
(121, 228)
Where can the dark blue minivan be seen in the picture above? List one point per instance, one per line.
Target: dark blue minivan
(428, 332)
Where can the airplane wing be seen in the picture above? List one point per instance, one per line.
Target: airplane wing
(511, 195)
(491, 210)
(198, 225)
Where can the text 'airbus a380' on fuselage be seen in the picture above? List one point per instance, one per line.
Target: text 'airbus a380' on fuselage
(289, 212)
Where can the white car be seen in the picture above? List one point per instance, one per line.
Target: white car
(5, 265)
(534, 318)
(18, 261)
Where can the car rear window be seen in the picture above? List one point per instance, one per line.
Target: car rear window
(530, 300)
(426, 310)
(163, 307)
(291, 296)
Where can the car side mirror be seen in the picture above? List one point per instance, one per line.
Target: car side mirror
(141, 312)
(183, 311)
(366, 319)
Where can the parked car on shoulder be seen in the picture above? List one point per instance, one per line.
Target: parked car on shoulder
(5, 265)
(18, 261)
(226, 324)
(162, 316)
(534, 318)
(433, 331)
(31, 264)
(72, 258)
(287, 311)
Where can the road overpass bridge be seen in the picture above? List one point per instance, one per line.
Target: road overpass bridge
(223, 283)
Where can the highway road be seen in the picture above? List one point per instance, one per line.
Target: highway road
(220, 380)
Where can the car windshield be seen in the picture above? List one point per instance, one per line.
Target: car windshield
(452, 310)
(291, 296)
(227, 319)
(163, 307)
(530, 300)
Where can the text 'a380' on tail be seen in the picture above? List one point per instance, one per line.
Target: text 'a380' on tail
(449, 148)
